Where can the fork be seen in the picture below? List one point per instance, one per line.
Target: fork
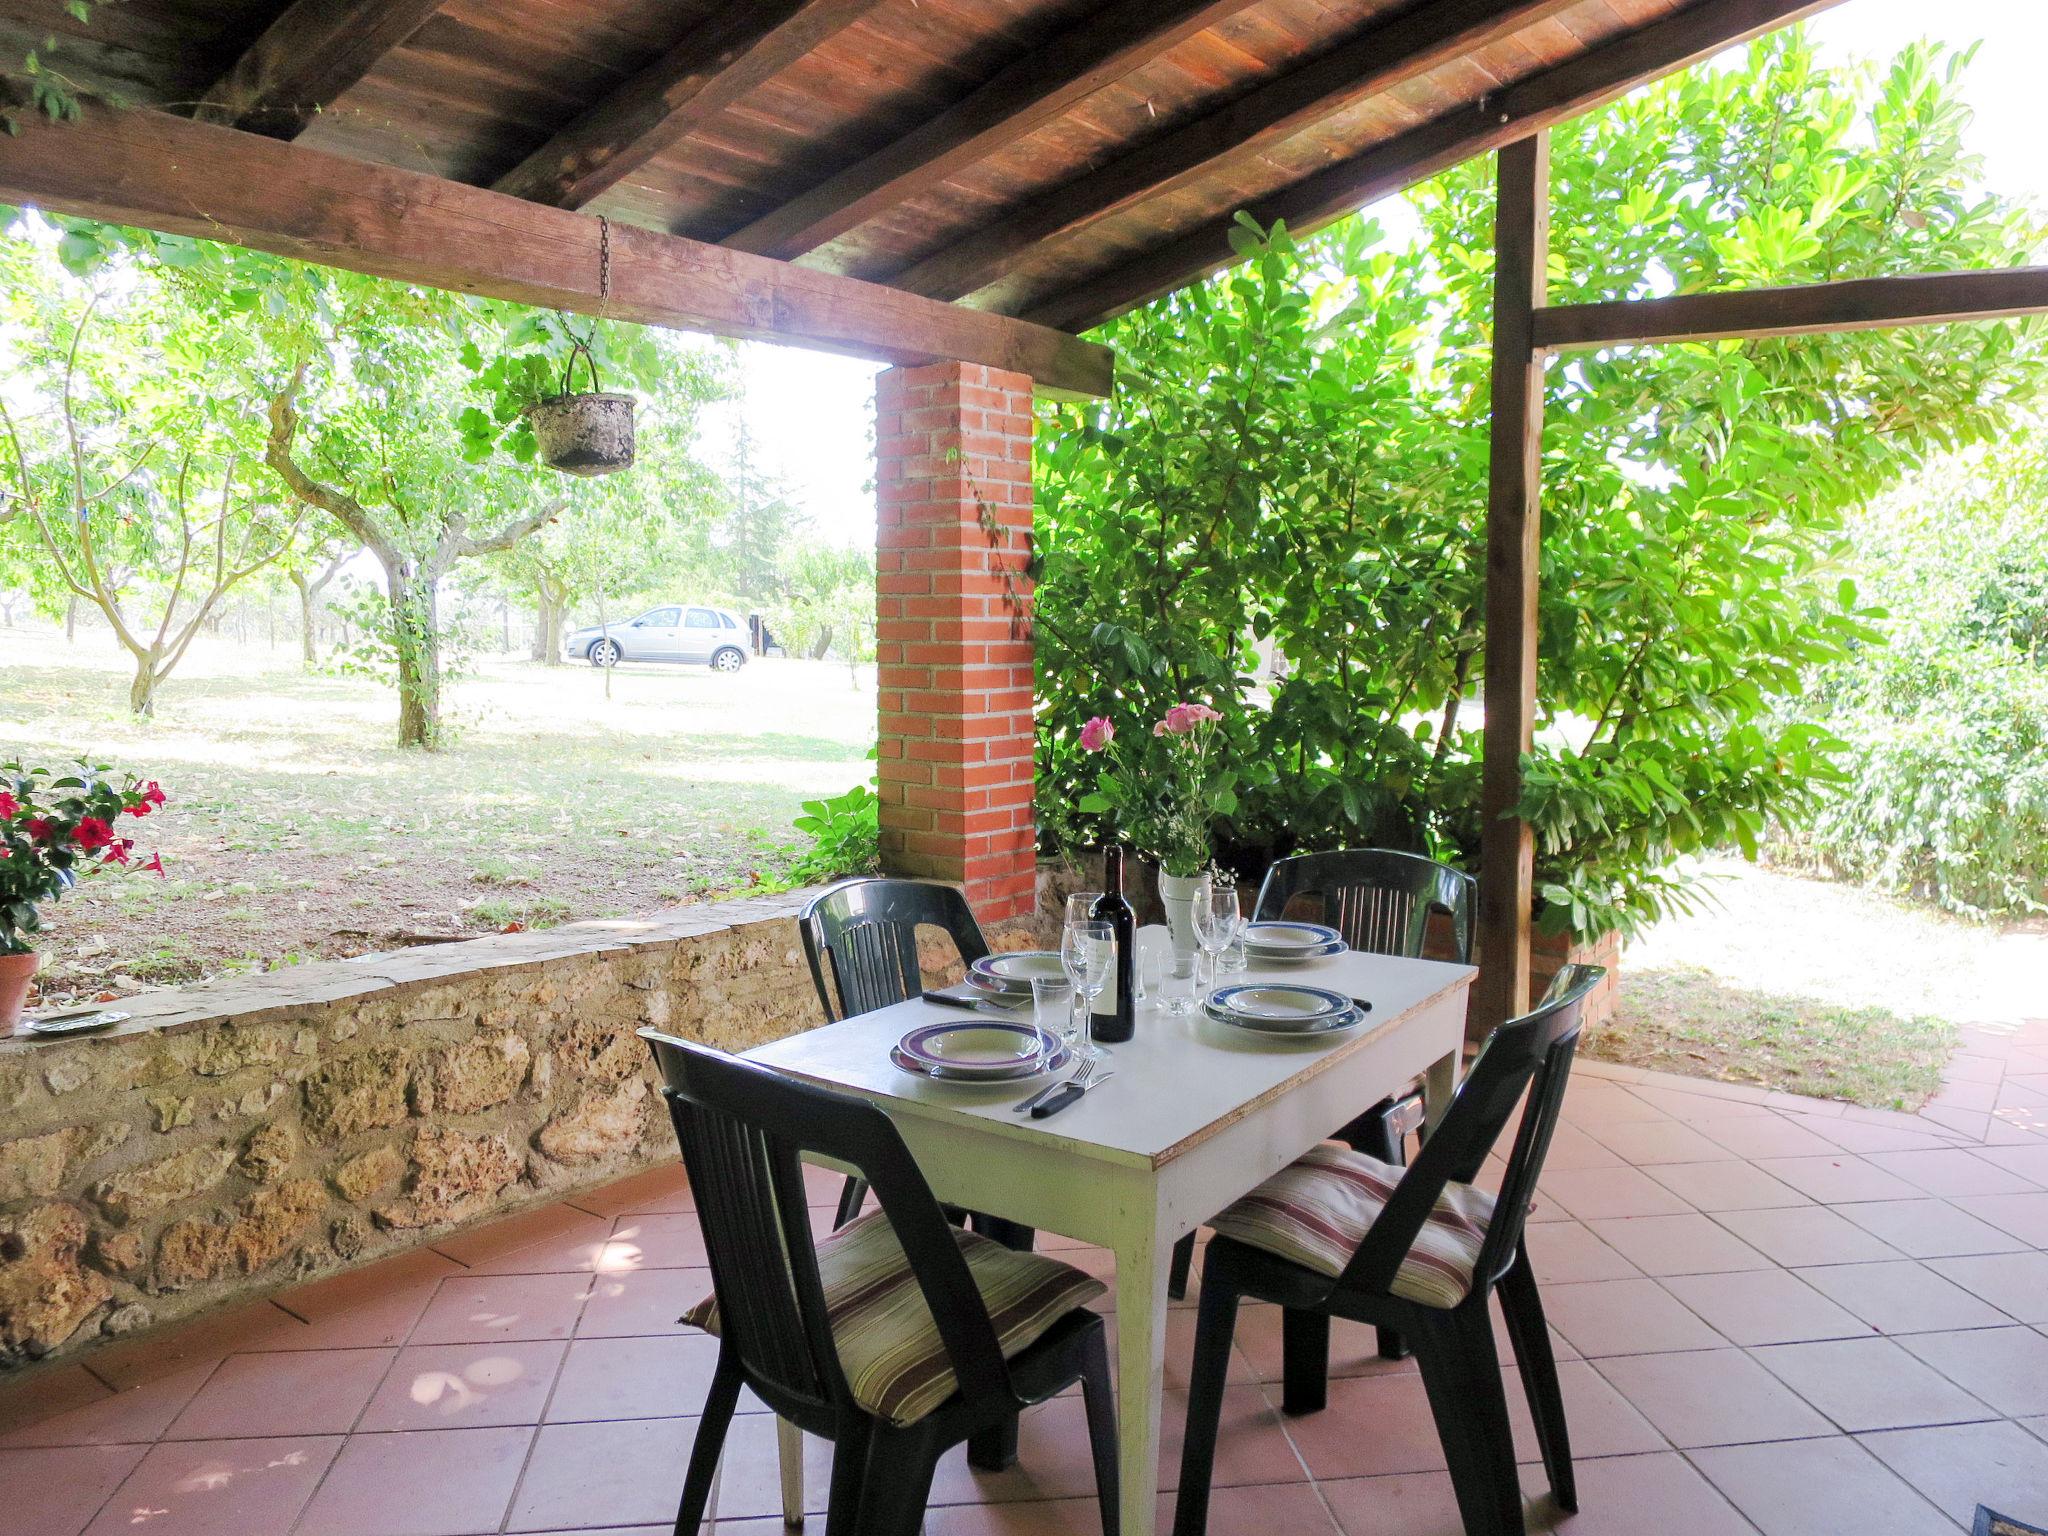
(1078, 1080)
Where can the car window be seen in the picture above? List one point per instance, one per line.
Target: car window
(701, 618)
(727, 620)
(662, 618)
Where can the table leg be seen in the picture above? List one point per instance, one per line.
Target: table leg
(1142, 1260)
(1438, 1084)
(789, 1450)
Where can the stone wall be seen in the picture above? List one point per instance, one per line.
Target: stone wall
(243, 1134)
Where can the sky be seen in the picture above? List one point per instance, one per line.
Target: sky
(809, 414)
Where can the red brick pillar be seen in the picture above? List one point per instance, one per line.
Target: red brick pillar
(953, 631)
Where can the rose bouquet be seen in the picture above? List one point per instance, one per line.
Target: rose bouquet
(54, 829)
(1166, 794)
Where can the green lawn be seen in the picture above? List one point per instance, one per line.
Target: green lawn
(296, 830)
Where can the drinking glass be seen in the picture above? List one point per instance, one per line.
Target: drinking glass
(1087, 953)
(1081, 906)
(1148, 975)
(1052, 1008)
(1216, 920)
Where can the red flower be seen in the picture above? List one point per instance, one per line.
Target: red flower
(41, 829)
(93, 832)
(117, 850)
(155, 864)
(8, 805)
(139, 808)
(152, 794)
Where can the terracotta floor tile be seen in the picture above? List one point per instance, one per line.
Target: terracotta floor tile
(2006, 1367)
(1015, 1517)
(1592, 1194)
(1617, 1493)
(1373, 1425)
(1404, 1504)
(208, 1338)
(217, 1488)
(555, 1239)
(1931, 1229)
(1725, 1186)
(297, 1392)
(1354, 1348)
(2016, 1283)
(1692, 1107)
(1959, 1466)
(1965, 1096)
(2022, 1218)
(1807, 1487)
(658, 1191)
(464, 1386)
(655, 1242)
(1972, 1123)
(1562, 1252)
(483, 1309)
(1602, 1421)
(1870, 1384)
(138, 1416)
(369, 1308)
(1837, 1177)
(1901, 1297)
(1641, 1143)
(1589, 1103)
(1251, 1446)
(2028, 1159)
(631, 1473)
(1624, 1317)
(1766, 1306)
(1861, 1136)
(1805, 1235)
(1052, 1459)
(55, 1491)
(1951, 1171)
(634, 1378)
(1765, 1136)
(1678, 1245)
(1712, 1397)
(1571, 1147)
(47, 1393)
(443, 1482)
(647, 1301)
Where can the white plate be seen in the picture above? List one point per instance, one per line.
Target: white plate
(1297, 937)
(1279, 1002)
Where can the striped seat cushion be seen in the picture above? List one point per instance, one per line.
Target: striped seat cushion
(1318, 1210)
(889, 1347)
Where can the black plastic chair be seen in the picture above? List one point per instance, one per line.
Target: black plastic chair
(1453, 1343)
(1380, 901)
(867, 930)
(742, 1128)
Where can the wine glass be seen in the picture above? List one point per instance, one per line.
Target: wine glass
(1087, 952)
(1216, 919)
(1081, 906)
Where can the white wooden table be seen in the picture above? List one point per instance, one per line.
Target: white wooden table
(1197, 1114)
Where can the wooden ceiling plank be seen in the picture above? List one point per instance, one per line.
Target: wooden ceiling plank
(736, 50)
(188, 178)
(305, 59)
(1385, 56)
(1855, 304)
(1029, 92)
(1538, 101)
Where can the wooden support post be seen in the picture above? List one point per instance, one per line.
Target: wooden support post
(1521, 240)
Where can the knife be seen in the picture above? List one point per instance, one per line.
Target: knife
(1048, 1107)
(986, 1006)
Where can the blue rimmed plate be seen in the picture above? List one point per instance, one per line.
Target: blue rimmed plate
(1280, 1004)
(978, 1050)
(1350, 1018)
(1291, 941)
(1012, 974)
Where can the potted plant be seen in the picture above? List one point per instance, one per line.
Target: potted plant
(588, 433)
(1165, 797)
(55, 829)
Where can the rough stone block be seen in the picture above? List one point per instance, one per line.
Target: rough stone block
(45, 1292)
(474, 1075)
(453, 1176)
(157, 1186)
(361, 1092)
(601, 1126)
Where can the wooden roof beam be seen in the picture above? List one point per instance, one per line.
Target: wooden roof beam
(1857, 304)
(305, 59)
(1386, 55)
(1032, 91)
(186, 178)
(720, 61)
(1535, 102)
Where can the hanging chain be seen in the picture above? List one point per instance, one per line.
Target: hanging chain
(604, 265)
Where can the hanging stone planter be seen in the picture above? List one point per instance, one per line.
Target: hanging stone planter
(584, 434)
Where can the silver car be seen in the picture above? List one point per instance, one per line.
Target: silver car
(712, 637)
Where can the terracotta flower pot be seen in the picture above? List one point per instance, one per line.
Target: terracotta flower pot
(15, 972)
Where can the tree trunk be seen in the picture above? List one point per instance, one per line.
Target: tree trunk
(309, 635)
(71, 621)
(142, 687)
(416, 639)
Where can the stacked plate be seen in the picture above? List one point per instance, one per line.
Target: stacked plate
(1271, 1008)
(978, 1051)
(1279, 943)
(1007, 978)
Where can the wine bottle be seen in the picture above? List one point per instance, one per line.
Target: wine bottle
(1115, 1014)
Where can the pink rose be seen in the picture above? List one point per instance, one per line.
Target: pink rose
(1182, 719)
(1097, 734)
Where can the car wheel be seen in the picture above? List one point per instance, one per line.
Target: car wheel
(605, 653)
(728, 659)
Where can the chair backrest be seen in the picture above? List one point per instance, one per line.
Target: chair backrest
(741, 1127)
(1380, 900)
(868, 930)
(1532, 1054)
